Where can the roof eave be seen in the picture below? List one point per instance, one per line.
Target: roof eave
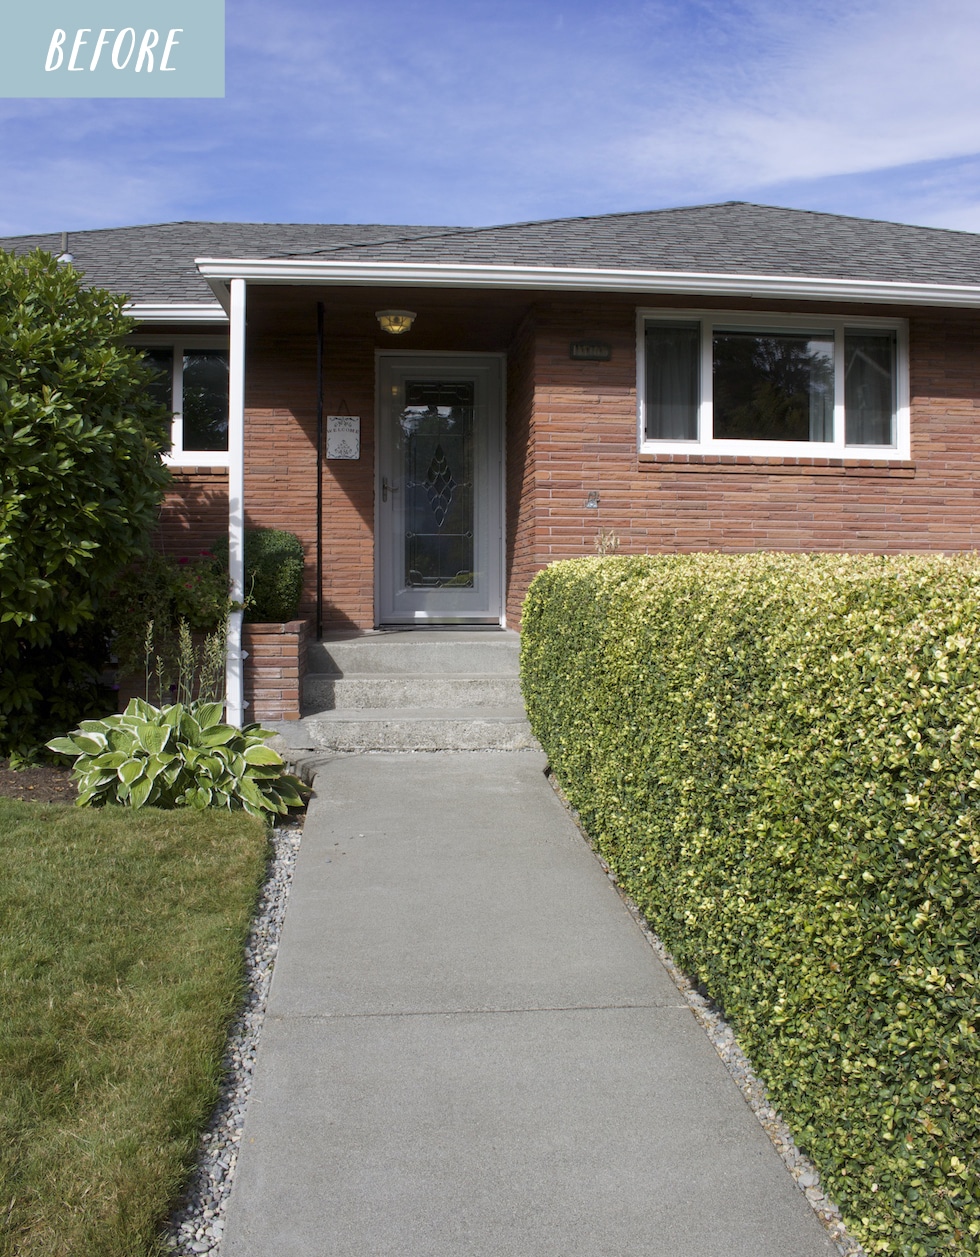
(219, 271)
(175, 312)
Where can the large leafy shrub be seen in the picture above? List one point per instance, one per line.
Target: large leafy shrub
(81, 477)
(780, 756)
(178, 756)
(273, 574)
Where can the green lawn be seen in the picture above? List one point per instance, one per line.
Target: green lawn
(120, 969)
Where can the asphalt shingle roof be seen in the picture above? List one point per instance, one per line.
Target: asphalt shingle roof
(156, 263)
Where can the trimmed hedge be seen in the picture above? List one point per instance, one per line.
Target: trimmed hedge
(778, 754)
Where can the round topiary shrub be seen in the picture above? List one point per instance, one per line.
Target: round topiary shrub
(273, 574)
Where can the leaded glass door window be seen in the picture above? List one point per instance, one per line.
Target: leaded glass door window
(439, 540)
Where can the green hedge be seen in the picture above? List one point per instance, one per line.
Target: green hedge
(273, 574)
(778, 754)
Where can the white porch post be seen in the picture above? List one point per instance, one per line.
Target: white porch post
(234, 679)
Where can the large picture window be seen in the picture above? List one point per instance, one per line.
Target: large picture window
(735, 384)
(191, 380)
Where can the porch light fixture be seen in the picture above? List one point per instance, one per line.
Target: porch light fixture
(395, 321)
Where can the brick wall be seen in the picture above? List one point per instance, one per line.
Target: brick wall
(194, 512)
(348, 490)
(522, 560)
(584, 438)
(571, 429)
(280, 464)
(274, 670)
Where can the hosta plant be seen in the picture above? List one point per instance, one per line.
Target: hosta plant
(178, 756)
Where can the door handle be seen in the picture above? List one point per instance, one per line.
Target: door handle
(386, 488)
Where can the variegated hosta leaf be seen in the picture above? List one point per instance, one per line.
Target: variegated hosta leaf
(208, 715)
(139, 792)
(153, 738)
(131, 769)
(259, 754)
(64, 746)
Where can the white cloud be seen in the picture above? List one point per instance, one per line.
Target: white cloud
(499, 110)
(883, 87)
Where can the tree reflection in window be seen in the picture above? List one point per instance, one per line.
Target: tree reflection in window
(773, 386)
(205, 399)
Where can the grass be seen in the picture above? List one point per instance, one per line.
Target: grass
(121, 939)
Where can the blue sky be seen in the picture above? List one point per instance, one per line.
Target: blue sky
(487, 111)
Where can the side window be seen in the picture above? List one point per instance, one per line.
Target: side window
(870, 387)
(205, 399)
(191, 380)
(673, 356)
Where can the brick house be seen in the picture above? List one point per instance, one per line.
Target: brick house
(726, 377)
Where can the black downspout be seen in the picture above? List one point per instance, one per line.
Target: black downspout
(319, 470)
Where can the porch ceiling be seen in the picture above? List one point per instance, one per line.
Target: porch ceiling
(447, 318)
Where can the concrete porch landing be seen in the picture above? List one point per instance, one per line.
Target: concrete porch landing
(412, 689)
(470, 1048)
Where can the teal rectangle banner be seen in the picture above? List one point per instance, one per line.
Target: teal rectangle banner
(91, 48)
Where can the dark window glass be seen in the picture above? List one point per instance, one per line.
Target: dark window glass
(161, 363)
(869, 388)
(437, 427)
(773, 386)
(206, 400)
(672, 376)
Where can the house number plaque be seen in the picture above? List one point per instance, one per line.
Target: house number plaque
(589, 351)
(343, 436)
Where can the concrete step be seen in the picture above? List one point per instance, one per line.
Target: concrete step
(420, 729)
(418, 652)
(412, 690)
(327, 692)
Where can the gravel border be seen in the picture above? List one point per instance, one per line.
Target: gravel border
(197, 1222)
(738, 1065)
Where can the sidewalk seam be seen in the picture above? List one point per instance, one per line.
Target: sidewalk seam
(479, 1012)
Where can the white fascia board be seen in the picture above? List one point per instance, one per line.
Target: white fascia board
(176, 312)
(218, 271)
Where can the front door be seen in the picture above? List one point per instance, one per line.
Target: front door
(440, 551)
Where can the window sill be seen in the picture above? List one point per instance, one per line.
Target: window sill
(182, 468)
(779, 465)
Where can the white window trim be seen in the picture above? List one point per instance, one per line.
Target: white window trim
(775, 322)
(177, 456)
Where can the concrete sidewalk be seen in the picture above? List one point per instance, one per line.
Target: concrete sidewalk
(470, 1047)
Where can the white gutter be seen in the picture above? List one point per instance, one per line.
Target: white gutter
(218, 271)
(180, 312)
(234, 659)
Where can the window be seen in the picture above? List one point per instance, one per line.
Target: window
(744, 384)
(191, 379)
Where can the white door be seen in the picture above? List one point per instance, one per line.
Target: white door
(440, 456)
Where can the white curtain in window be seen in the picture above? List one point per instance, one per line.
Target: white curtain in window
(672, 382)
(869, 387)
(821, 358)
